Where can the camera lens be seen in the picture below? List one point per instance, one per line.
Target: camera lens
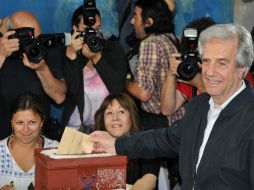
(93, 42)
(35, 53)
(188, 68)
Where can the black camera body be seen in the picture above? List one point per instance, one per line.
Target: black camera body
(92, 37)
(34, 51)
(188, 68)
(89, 16)
(54, 40)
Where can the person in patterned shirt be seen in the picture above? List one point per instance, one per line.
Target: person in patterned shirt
(152, 22)
(153, 25)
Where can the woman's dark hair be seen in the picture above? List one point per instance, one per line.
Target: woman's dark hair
(200, 24)
(78, 14)
(126, 102)
(26, 101)
(160, 13)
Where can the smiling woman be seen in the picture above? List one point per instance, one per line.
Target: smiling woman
(27, 117)
(118, 115)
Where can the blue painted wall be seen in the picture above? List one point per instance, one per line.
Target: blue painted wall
(222, 11)
(55, 15)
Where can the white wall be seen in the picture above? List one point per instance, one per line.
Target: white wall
(244, 13)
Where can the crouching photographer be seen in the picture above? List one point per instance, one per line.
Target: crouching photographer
(94, 68)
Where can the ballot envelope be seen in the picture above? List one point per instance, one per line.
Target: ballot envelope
(100, 171)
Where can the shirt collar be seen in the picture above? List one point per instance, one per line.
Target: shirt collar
(222, 106)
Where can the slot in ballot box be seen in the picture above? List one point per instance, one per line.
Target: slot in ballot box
(75, 172)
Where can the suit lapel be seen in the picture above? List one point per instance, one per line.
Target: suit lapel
(200, 135)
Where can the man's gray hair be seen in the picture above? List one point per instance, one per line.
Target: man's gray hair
(245, 54)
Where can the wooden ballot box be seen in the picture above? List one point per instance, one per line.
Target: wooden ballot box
(95, 171)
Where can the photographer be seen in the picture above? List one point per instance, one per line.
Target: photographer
(176, 92)
(92, 70)
(153, 25)
(18, 74)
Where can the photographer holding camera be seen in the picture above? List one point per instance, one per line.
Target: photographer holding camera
(94, 68)
(184, 81)
(18, 74)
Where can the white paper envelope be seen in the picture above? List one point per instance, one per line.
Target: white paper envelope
(74, 142)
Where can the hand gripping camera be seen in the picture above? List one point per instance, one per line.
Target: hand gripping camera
(34, 51)
(93, 37)
(36, 48)
(189, 67)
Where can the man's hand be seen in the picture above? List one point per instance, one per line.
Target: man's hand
(34, 66)
(7, 187)
(103, 142)
(7, 46)
(174, 62)
(197, 81)
(75, 46)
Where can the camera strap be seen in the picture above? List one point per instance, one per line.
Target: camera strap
(175, 41)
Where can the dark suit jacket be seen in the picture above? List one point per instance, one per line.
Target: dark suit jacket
(228, 158)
